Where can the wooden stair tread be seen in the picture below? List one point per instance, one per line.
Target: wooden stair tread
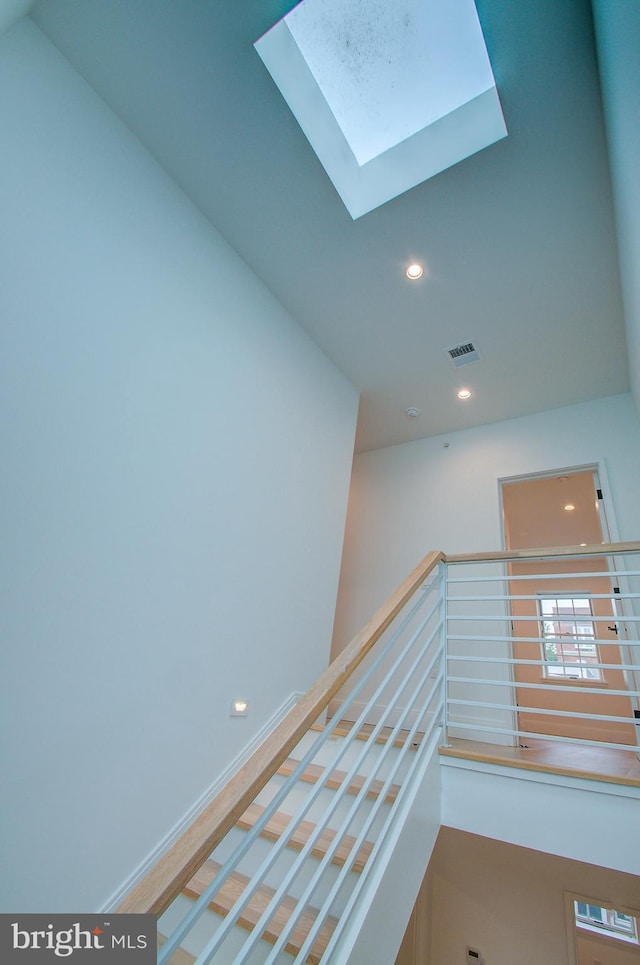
(180, 956)
(343, 727)
(591, 763)
(335, 779)
(278, 823)
(225, 898)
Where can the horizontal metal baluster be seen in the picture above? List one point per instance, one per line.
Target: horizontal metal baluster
(520, 662)
(557, 688)
(507, 598)
(516, 618)
(546, 711)
(531, 735)
(490, 638)
(489, 578)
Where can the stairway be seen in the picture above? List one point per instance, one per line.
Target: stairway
(335, 788)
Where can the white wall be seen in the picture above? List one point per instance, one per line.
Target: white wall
(508, 902)
(176, 459)
(513, 804)
(617, 25)
(406, 500)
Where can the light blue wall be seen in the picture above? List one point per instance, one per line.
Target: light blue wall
(617, 25)
(176, 457)
(443, 492)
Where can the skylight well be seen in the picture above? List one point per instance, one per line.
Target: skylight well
(387, 94)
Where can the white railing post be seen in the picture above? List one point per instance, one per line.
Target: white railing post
(445, 652)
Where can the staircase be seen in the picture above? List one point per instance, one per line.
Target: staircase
(300, 922)
(315, 850)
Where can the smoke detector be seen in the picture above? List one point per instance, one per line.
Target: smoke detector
(462, 354)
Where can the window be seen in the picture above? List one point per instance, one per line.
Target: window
(615, 924)
(568, 636)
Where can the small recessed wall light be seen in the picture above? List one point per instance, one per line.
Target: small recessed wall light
(464, 394)
(569, 507)
(414, 271)
(239, 707)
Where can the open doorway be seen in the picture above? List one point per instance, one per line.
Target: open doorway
(536, 510)
(575, 650)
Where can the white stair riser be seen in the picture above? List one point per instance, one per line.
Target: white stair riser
(393, 766)
(261, 849)
(205, 928)
(326, 799)
(330, 749)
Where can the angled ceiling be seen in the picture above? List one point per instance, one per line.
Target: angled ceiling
(517, 241)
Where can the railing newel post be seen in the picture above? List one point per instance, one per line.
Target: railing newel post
(445, 652)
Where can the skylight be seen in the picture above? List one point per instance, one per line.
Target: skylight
(387, 94)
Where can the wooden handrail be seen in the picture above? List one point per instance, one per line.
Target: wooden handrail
(498, 556)
(177, 866)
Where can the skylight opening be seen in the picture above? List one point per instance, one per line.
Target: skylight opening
(387, 94)
(385, 69)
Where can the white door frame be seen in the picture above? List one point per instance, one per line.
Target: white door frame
(611, 533)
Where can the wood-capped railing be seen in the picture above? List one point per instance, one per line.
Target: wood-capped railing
(499, 556)
(177, 866)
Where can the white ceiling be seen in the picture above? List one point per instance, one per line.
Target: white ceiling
(518, 240)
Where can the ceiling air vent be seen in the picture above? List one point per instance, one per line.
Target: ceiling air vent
(463, 354)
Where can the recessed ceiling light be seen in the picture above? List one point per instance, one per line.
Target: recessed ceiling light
(569, 507)
(464, 394)
(412, 412)
(413, 272)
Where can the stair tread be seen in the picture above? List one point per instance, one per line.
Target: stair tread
(277, 824)
(343, 727)
(180, 956)
(225, 898)
(335, 779)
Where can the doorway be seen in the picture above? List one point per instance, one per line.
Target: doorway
(577, 631)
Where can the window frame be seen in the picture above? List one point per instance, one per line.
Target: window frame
(607, 924)
(584, 671)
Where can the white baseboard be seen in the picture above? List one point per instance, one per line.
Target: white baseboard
(203, 801)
